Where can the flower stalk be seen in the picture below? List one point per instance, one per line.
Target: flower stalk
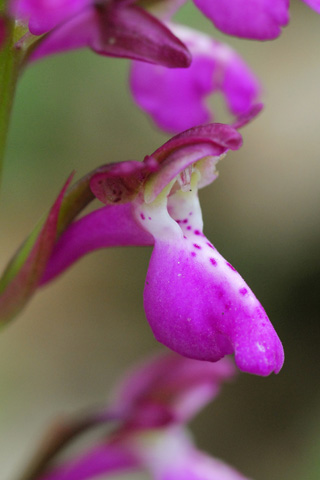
(10, 61)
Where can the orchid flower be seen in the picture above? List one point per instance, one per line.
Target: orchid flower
(195, 301)
(116, 28)
(178, 101)
(152, 404)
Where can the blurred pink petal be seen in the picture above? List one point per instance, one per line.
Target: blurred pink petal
(179, 101)
(117, 29)
(104, 458)
(314, 4)
(170, 385)
(171, 455)
(43, 15)
(255, 19)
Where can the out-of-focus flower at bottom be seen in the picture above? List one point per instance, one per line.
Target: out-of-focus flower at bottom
(152, 404)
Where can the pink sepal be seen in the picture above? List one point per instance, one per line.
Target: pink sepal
(109, 226)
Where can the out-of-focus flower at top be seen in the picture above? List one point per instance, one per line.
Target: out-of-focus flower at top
(255, 19)
(118, 29)
(144, 441)
(179, 101)
(195, 301)
(43, 15)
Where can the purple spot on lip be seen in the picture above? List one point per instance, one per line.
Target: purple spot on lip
(149, 218)
(210, 245)
(243, 291)
(213, 261)
(185, 220)
(197, 246)
(197, 232)
(189, 227)
(142, 216)
(193, 254)
(178, 221)
(190, 213)
(231, 266)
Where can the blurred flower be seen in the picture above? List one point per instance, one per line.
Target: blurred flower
(152, 404)
(195, 301)
(255, 19)
(43, 15)
(116, 28)
(178, 102)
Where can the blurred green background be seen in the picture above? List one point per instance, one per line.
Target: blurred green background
(68, 347)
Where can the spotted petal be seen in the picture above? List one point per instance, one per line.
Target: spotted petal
(196, 302)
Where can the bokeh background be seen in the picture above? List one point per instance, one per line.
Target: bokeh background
(68, 347)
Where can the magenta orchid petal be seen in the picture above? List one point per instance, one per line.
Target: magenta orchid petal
(255, 19)
(177, 385)
(117, 29)
(102, 460)
(178, 102)
(195, 301)
(107, 227)
(314, 4)
(207, 314)
(44, 15)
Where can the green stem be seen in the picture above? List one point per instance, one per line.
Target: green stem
(10, 58)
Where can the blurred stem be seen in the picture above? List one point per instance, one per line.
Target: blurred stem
(59, 436)
(10, 58)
